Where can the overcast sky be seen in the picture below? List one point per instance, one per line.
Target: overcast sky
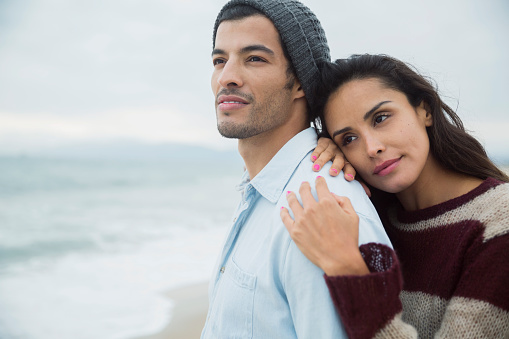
(98, 71)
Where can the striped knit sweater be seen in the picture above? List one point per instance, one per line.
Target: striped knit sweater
(450, 278)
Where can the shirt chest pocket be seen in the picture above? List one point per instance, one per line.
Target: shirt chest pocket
(232, 311)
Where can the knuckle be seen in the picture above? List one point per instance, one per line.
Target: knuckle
(291, 200)
(339, 160)
(327, 203)
(310, 212)
(333, 147)
(324, 141)
(342, 200)
(320, 146)
(328, 154)
(296, 233)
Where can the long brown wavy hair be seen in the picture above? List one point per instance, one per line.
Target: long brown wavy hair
(450, 144)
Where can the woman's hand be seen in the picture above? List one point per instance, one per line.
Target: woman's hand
(327, 150)
(326, 231)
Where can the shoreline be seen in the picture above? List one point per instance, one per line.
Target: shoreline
(190, 310)
(188, 314)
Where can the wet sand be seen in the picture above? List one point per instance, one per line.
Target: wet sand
(188, 315)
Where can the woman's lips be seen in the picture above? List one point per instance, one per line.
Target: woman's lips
(386, 167)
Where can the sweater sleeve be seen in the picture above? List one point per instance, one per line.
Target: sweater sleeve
(368, 303)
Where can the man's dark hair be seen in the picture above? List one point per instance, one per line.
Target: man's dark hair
(240, 12)
(301, 35)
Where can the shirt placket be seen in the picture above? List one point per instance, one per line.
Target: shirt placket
(248, 198)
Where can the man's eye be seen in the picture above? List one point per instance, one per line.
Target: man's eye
(217, 61)
(255, 58)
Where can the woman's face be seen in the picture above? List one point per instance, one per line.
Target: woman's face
(381, 134)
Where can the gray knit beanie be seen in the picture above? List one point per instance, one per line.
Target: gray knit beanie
(301, 33)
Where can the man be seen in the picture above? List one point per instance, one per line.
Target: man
(265, 58)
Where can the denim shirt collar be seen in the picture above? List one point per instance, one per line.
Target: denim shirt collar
(272, 179)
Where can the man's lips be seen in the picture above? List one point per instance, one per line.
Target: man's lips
(229, 102)
(386, 167)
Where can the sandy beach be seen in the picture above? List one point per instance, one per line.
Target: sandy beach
(188, 315)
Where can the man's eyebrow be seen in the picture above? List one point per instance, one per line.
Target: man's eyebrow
(217, 51)
(253, 48)
(366, 116)
(247, 49)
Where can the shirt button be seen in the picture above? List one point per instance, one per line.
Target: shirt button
(222, 269)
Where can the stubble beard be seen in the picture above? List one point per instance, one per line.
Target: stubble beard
(261, 117)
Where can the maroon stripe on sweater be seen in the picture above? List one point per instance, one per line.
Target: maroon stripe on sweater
(432, 260)
(486, 275)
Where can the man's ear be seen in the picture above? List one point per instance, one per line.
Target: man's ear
(297, 88)
(423, 112)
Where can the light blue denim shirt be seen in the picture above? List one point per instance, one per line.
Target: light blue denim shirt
(263, 286)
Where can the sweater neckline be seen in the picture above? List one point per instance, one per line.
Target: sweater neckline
(432, 211)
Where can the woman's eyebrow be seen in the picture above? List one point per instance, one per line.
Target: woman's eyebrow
(371, 111)
(366, 117)
(343, 130)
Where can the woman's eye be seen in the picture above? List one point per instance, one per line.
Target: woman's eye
(348, 139)
(380, 118)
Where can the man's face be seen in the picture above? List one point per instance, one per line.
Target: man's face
(253, 91)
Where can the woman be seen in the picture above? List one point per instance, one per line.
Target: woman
(444, 205)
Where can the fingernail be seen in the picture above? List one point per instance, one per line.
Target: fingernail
(334, 170)
(304, 182)
(288, 192)
(282, 207)
(313, 157)
(316, 167)
(319, 176)
(349, 175)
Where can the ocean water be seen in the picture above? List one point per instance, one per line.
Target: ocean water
(88, 248)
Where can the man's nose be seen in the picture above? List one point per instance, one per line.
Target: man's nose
(231, 75)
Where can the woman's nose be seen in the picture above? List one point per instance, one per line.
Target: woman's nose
(374, 146)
